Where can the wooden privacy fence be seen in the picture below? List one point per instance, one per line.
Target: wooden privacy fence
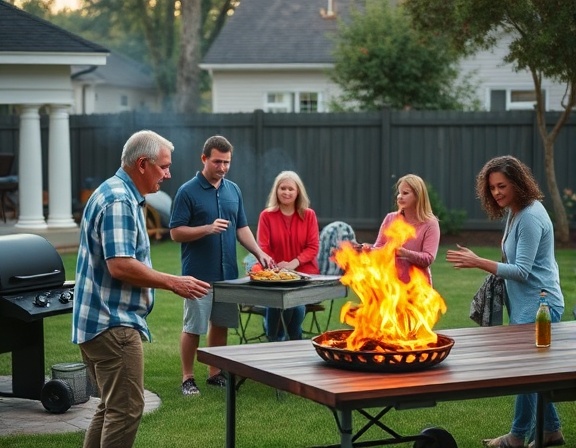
(348, 161)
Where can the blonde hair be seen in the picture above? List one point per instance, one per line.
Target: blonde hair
(302, 202)
(418, 186)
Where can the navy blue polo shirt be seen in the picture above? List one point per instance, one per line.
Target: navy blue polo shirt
(197, 203)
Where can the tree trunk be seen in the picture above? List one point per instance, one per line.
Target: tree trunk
(188, 80)
(561, 224)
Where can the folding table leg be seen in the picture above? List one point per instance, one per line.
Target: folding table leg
(230, 410)
(346, 429)
(539, 436)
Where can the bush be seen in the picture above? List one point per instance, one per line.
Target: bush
(450, 220)
(569, 201)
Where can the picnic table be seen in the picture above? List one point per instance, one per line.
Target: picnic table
(484, 362)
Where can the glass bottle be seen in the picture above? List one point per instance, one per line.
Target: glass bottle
(543, 323)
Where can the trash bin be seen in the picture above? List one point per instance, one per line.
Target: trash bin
(75, 375)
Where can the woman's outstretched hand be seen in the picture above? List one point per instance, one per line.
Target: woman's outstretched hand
(462, 257)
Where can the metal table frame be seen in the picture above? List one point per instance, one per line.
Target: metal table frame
(484, 362)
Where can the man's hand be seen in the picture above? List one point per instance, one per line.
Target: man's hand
(219, 225)
(190, 287)
(265, 260)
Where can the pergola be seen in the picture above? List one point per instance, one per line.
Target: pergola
(35, 66)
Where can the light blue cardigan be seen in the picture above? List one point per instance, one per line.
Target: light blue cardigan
(530, 264)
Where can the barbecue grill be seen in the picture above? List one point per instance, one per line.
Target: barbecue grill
(33, 286)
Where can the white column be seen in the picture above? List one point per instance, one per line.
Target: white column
(31, 214)
(59, 170)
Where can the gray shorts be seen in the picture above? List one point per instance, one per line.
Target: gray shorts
(198, 312)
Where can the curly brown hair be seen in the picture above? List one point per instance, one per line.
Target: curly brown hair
(521, 177)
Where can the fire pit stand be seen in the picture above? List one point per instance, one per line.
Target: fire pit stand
(433, 437)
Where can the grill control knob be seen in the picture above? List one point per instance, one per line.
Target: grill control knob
(66, 297)
(41, 300)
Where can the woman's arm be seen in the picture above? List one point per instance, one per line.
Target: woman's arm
(312, 245)
(428, 239)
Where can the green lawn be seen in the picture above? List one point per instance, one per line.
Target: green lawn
(263, 420)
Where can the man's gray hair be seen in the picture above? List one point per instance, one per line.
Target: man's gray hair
(143, 144)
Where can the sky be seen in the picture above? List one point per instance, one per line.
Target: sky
(72, 4)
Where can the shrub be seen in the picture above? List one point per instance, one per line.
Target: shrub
(450, 220)
(569, 201)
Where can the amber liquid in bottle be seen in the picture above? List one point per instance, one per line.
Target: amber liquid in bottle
(543, 323)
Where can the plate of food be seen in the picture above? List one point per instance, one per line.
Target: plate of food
(277, 277)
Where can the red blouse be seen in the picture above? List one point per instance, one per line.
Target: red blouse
(285, 239)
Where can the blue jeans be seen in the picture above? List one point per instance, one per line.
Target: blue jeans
(293, 317)
(524, 423)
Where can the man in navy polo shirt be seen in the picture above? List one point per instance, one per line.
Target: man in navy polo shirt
(207, 218)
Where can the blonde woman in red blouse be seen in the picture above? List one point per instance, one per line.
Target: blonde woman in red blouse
(288, 232)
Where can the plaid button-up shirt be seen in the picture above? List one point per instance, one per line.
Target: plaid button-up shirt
(113, 225)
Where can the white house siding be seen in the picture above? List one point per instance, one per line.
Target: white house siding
(488, 70)
(102, 99)
(245, 91)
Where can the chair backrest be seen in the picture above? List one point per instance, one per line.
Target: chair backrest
(6, 161)
(249, 261)
(331, 237)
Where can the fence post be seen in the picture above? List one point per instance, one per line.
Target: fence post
(259, 147)
(385, 148)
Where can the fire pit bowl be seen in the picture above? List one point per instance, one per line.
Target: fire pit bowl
(326, 346)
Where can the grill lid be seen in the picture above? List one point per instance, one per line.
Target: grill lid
(29, 262)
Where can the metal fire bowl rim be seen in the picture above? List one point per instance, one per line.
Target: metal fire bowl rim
(376, 361)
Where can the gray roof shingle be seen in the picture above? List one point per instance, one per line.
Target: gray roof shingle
(278, 32)
(24, 32)
(119, 71)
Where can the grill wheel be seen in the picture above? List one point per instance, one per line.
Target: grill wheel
(436, 438)
(57, 396)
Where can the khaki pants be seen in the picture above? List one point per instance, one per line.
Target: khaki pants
(115, 362)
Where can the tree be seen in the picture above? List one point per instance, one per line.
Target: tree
(188, 78)
(381, 60)
(543, 34)
(201, 21)
(169, 35)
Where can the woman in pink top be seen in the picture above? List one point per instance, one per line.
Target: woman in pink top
(414, 206)
(288, 232)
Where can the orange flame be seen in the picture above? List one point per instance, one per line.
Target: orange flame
(393, 315)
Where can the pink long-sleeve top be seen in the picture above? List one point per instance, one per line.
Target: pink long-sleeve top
(283, 242)
(421, 250)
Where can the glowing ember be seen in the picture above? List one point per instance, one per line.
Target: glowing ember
(393, 315)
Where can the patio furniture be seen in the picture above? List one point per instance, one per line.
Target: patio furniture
(8, 183)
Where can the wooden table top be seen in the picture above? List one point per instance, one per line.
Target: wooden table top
(484, 362)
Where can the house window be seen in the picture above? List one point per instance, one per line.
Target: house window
(513, 99)
(124, 100)
(292, 102)
(278, 102)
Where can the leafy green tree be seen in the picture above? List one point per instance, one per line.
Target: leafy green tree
(169, 35)
(381, 60)
(543, 42)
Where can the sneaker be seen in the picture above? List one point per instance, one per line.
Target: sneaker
(189, 387)
(218, 380)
